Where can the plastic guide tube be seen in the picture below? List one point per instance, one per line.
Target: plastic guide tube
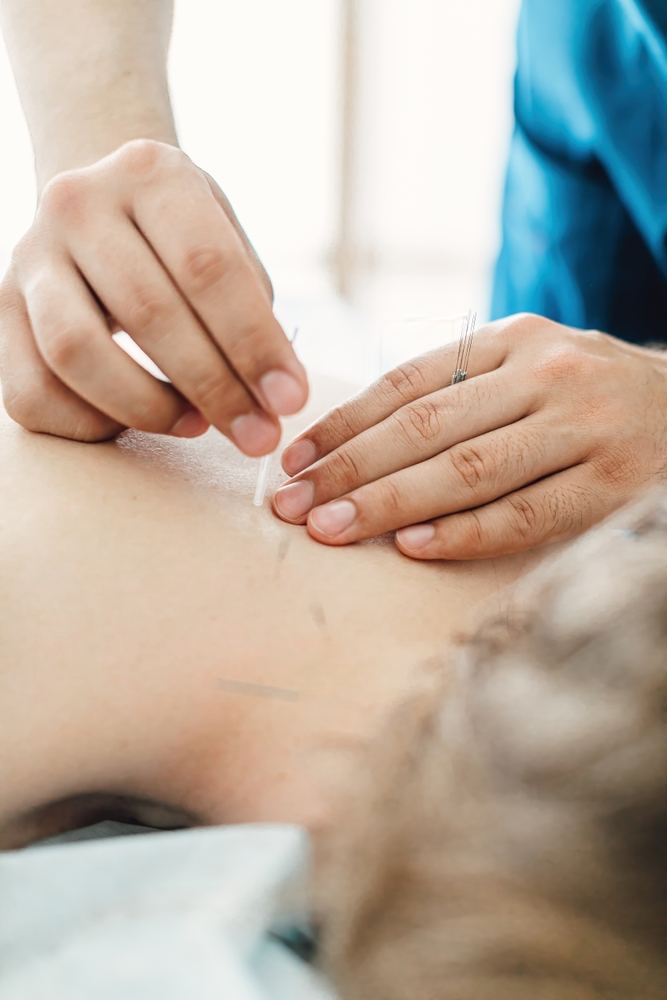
(265, 464)
(262, 479)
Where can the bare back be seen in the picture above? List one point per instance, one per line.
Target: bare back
(162, 638)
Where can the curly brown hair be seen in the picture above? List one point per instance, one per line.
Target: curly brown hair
(507, 837)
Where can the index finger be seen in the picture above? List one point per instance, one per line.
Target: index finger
(410, 381)
(174, 207)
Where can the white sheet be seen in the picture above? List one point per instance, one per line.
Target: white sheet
(171, 916)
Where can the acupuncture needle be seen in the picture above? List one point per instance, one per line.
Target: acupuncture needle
(265, 462)
(465, 347)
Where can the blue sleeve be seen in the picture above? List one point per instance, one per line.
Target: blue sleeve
(585, 207)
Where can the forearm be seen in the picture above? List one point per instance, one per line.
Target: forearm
(91, 75)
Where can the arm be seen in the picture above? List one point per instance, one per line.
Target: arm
(129, 235)
(91, 76)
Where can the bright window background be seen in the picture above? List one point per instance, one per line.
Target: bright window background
(258, 90)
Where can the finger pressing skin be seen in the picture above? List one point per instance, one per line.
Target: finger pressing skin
(140, 295)
(73, 339)
(465, 477)
(409, 382)
(175, 209)
(32, 395)
(416, 432)
(553, 510)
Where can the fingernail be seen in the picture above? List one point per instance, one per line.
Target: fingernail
(417, 536)
(190, 425)
(254, 435)
(294, 500)
(283, 393)
(298, 456)
(334, 517)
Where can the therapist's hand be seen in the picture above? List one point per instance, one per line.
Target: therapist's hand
(146, 242)
(552, 431)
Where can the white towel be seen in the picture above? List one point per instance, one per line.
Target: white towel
(183, 915)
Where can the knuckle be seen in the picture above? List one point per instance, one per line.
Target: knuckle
(344, 469)
(65, 195)
(422, 418)
(393, 502)
(470, 464)
(465, 536)
(23, 399)
(523, 324)
(620, 465)
(563, 512)
(248, 353)
(205, 267)
(62, 345)
(526, 518)
(561, 364)
(145, 310)
(211, 394)
(408, 381)
(512, 330)
(568, 512)
(341, 424)
(140, 157)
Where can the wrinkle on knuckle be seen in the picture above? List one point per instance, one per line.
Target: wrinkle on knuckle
(393, 501)
(421, 418)
(470, 464)
(341, 424)
(464, 537)
(205, 267)
(526, 518)
(562, 512)
(620, 465)
(408, 381)
(344, 469)
(568, 511)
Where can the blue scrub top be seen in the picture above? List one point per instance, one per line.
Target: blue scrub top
(585, 207)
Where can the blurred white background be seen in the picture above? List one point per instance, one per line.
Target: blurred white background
(362, 144)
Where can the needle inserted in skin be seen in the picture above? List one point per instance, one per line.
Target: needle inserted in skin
(265, 463)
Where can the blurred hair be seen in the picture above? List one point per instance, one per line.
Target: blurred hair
(507, 836)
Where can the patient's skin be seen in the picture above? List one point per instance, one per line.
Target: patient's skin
(163, 639)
